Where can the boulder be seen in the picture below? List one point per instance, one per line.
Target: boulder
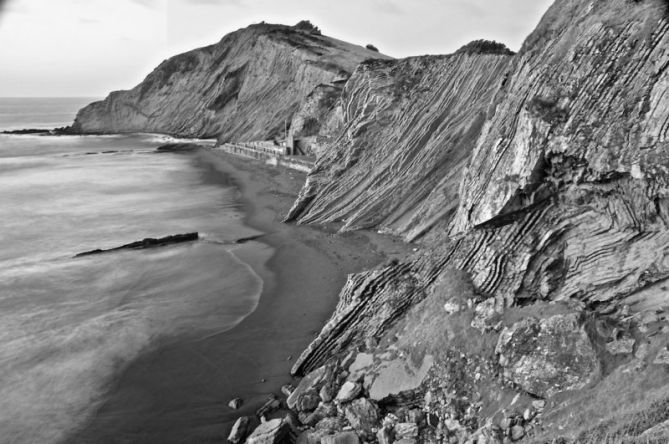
(272, 404)
(313, 381)
(306, 401)
(324, 410)
(341, 438)
(517, 433)
(274, 431)
(239, 430)
(348, 391)
(362, 414)
(235, 403)
(621, 346)
(548, 356)
(406, 430)
(385, 435)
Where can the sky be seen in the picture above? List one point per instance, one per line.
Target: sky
(87, 48)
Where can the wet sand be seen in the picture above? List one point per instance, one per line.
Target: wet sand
(178, 393)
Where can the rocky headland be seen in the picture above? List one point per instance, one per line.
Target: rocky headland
(533, 188)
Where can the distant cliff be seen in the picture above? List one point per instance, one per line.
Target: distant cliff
(243, 88)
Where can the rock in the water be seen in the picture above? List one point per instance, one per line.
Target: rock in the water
(275, 431)
(348, 391)
(239, 430)
(548, 356)
(147, 243)
(341, 438)
(178, 147)
(235, 403)
(362, 414)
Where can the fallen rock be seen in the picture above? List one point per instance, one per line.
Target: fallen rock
(662, 356)
(385, 435)
(451, 307)
(287, 390)
(548, 356)
(324, 410)
(517, 432)
(348, 391)
(406, 430)
(362, 414)
(341, 438)
(315, 380)
(306, 401)
(274, 431)
(270, 406)
(235, 403)
(239, 430)
(621, 346)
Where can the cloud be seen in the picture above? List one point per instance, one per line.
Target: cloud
(88, 21)
(388, 7)
(146, 3)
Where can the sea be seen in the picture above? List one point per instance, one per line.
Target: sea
(69, 324)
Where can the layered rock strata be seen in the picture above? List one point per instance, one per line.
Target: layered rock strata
(246, 87)
(544, 275)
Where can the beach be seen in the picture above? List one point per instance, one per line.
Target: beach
(179, 392)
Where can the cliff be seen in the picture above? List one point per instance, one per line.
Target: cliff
(243, 88)
(535, 306)
(404, 131)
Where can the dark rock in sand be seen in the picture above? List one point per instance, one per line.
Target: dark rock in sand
(147, 243)
(178, 147)
(27, 131)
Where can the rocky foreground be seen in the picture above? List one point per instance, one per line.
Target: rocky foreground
(535, 189)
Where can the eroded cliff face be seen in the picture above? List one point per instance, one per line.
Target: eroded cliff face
(399, 139)
(243, 88)
(540, 307)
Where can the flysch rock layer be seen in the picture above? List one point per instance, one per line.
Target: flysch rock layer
(243, 88)
(558, 215)
(404, 131)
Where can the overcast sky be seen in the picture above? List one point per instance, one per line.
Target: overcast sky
(87, 48)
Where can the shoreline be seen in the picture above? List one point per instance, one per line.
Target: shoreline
(180, 391)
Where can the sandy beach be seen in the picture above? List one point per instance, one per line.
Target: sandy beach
(179, 392)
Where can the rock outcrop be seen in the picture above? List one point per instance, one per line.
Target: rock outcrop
(243, 88)
(540, 213)
(401, 135)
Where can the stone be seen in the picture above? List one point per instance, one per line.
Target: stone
(274, 431)
(662, 357)
(406, 430)
(529, 413)
(239, 430)
(385, 435)
(329, 425)
(517, 432)
(271, 405)
(621, 346)
(313, 381)
(235, 403)
(548, 356)
(306, 401)
(451, 307)
(348, 391)
(539, 404)
(362, 414)
(323, 410)
(327, 392)
(341, 438)
(287, 390)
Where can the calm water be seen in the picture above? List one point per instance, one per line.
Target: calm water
(34, 112)
(67, 326)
